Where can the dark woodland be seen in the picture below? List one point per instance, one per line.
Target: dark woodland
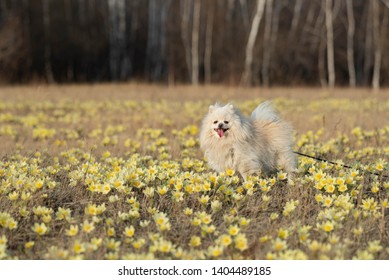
(234, 42)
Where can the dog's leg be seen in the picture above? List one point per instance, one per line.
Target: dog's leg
(287, 160)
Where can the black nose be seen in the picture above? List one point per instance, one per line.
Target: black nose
(220, 125)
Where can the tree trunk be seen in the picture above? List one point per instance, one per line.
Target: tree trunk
(377, 45)
(296, 17)
(47, 47)
(208, 44)
(330, 44)
(185, 11)
(247, 74)
(245, 13)
(195, 42)
(118, 59)
(70, 36)
(368, 45)
(350, 43)
(266, 44)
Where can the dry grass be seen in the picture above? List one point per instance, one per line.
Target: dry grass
(87, 137)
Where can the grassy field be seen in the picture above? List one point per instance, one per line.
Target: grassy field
(115, 172)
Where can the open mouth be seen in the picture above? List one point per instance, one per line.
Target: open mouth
(221, 131)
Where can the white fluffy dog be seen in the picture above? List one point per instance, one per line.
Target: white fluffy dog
(254, 145)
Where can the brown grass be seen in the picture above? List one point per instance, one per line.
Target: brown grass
(123, 111)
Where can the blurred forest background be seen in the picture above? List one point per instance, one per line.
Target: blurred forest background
(246, 42)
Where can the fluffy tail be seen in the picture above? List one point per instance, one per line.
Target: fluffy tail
(265, 112)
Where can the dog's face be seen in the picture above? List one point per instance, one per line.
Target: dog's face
(221, 120)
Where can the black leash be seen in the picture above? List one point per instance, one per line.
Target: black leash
(335, 163)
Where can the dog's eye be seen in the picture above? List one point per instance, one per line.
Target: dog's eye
(226, 122)
(215, 122)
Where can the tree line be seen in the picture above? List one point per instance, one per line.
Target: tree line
(246, 42)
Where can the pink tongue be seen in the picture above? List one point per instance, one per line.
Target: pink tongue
(220, 132)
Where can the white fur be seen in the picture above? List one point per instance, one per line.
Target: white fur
(253, 145)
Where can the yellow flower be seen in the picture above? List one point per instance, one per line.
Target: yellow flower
(38, 184)
(87, 226)
(12, 224)
(233, 230)
(137, 244)
(165, 246)
(209, 229)
(96, 243)
(369, 204)
(318, 175)
(333, 239)
(91, 210)
(281, 176)
(129, 231)
(380, 165)
(162, 190)
(240, 242)
(162, 221)
(195, 241)
(204, 199)
(319, 197)
(111, 231)
(264, 239)
(289, 207)
(72, 231)
(206, 219)
(13, 196)
(64, 214)
(46, 219)
(78, 247)
(283, 233)
(329, 188)
(244, 222)
(196, 221)
(216, 205)
(327, 226)
(113, 245)
(215, 251)
(188, 211)
(149, 192)
(342, 188)
(225, 240)
(327, 201)
(40, 229)
(29, 245)
(374, 246)
(230, 172)
(375, 187)
(279, 245)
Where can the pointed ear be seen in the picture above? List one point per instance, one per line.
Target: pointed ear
(230, 107)
(211, 108)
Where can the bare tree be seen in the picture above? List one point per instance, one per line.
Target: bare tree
(296, 16)
(350, 43)
(368, 43)
(385, 2)
(154, 47)
(245, 13)
(195, 42)
(208, 44)
(186, 7)
(118, 60)
(330, 44)
(47, 47)
(69, 23)
(377, 45)
(266, 38)
(247, 74)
